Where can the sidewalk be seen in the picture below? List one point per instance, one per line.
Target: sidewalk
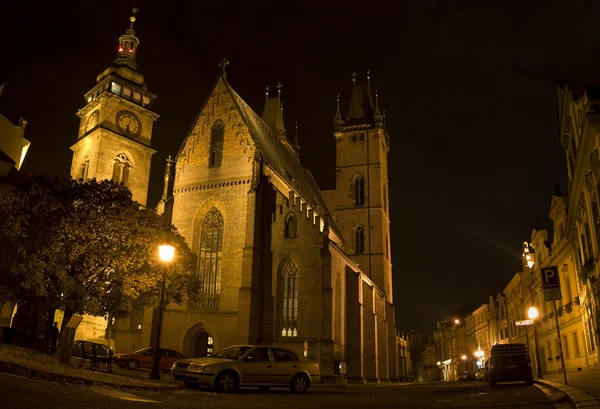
(32, 364)
(583, 389)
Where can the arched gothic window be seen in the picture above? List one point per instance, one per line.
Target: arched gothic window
(211, 252)
(215, 154)
(289, 325)
(85, 167)
(359, 190)
(121, 169)
(290, 226)
(359, 240)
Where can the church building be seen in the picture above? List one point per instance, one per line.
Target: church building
(280, 261)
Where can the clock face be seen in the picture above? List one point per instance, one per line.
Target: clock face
(129, 123)
(92, 121)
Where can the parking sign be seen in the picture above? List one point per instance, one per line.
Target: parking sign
(551, 283)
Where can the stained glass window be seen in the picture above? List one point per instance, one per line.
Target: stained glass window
(211, 248)
(289, 326)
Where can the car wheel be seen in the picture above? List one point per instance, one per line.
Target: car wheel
(300, 383)
(227, 382)
(132, 364)
(264, 388)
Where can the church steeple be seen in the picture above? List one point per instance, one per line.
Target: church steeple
(361, 110)
(128, 44)
(273, 113)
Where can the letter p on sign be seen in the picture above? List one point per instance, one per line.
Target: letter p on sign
(550, 278)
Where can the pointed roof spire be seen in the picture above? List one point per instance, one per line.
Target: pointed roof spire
(273, 112)
(167, 178)
(361, 104)
(338, 121)
(377, 115)
(296, 144)
(128, 45)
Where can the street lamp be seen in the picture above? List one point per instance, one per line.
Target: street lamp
(533, 313)
(165, 253)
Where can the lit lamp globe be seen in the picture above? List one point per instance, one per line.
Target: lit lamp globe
(532, 313)
(464, 357)
(166, 252)
(439, 363)
(457, 321)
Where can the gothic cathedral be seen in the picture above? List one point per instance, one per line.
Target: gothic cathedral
(280, 261)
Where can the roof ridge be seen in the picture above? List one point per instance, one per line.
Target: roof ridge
(197, 118)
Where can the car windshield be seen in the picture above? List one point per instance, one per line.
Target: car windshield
(142, 351)
(233, 353)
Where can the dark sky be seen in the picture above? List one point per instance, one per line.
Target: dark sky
(468, 87)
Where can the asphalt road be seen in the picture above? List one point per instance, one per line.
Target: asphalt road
(23, 393)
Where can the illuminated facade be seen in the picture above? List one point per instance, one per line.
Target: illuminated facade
(280, 261)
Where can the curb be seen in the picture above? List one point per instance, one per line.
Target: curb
(20, 370)
(576, 397)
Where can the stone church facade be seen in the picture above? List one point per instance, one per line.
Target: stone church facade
(280, 261)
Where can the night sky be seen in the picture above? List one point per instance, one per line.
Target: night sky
(467, 86)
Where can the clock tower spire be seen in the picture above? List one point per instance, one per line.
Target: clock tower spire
(116, 124)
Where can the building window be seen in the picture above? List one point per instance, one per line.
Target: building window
(359, 190)
(289, 326)
(115, 88)
(217, 135)
(290, 226)
(385, 198)
(85, 166)
(211, 249)
(121, 169)
(565, 346)
(359, 240)
(576, 345)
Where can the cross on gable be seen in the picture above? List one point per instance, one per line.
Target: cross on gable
(223, 64)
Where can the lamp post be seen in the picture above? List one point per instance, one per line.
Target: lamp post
(533, 313)
(165, 253)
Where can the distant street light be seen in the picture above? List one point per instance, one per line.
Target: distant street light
(457, 321)
(533, 313)
(165, 253)
(439, 363)
(464, 357)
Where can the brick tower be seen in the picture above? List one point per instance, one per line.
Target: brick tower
(362, 210)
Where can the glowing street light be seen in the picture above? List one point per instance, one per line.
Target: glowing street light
(439, 363)
(165, 253)
(464, 357)
(532, 313)
(457, 321)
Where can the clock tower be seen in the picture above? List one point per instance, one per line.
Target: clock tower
(116, 124)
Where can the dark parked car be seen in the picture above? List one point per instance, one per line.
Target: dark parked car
(101, 349)
(466, 376)
(509, 362)
(143, 359)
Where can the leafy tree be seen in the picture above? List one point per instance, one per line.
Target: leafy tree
(86, 248)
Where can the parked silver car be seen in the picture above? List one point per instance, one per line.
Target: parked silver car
(249, 365)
